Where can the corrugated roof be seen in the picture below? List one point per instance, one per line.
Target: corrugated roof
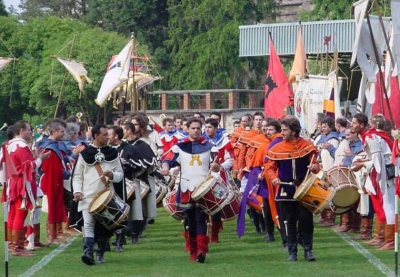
(254, 38)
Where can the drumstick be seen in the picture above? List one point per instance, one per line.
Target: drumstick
(215, 160)
(277, 220)
(308, 170)
(287, 183)
(95, 180)
(286, 230)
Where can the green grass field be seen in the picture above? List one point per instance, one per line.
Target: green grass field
(161, 254)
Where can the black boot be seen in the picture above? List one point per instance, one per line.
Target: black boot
(120, 237)
(283, 238)
(292, 247)
(136, 228)
(308, 255)
(87, 257)
(269, 238)
(102, 244)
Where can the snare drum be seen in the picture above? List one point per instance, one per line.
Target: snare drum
(211, 195)
(109, 210)
(255, 201)
(345, 185)
(131, 186)
(337, 210)
(161, 192)
(231, 208)
(314, 194)
(144, 189)
(169, 205)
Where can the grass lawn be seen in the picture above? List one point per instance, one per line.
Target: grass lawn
(161, 254)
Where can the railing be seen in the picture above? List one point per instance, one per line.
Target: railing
(222, 99)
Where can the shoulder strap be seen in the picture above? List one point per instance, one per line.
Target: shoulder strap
(100, 172)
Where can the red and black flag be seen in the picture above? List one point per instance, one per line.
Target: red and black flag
(278, 92)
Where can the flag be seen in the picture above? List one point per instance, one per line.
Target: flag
(77, 71)
(4, 62)
(117, 73)
(360, 7)
(300, 59)
(331, 104)
(278, 92)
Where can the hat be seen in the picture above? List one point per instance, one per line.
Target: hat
(39, 125)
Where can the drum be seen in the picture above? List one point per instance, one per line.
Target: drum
(144, 189)
(169, 205)
(255, 201)
(109, 210)
(337, 210)
(211, 194)
(131, 186)
(161, 191)
(345, 185)
(314, 194)
(231, 208)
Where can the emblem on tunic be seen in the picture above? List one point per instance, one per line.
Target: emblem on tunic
(99, 157)
(197, 159)
(219, 192)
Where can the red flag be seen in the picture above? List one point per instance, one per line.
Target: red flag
(380, 104)
(278, 92)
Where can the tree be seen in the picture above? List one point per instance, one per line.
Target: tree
(36, 78)
(203, 42)
(40, 8)
(3, 11)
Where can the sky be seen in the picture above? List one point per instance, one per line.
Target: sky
(8, 3)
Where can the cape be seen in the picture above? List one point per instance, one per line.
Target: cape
(286, 150)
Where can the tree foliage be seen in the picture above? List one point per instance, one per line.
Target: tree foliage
(33, 83)
(203, 42)
(3, 11)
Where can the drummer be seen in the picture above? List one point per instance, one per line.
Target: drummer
(289, 164)
(102, 162)
(225, 154)
(194, 156)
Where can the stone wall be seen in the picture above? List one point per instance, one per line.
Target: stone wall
(290, 10)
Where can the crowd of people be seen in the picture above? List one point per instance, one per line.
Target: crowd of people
(260, 171)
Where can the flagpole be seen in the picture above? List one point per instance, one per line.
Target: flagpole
(64, 79)
(6, 238)
(379, 68)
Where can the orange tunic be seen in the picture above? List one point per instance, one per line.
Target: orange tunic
(234, 138)
(245, 140)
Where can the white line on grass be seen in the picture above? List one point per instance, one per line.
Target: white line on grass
(46, 259)
(371, 258)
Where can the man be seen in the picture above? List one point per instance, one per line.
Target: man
(145, 159)
(52, 180)
(98, 167)
(225, 155)
(168, 138)
(327, 143)
(193, 156)
(287, 164)
(377, 145)
(22, 186)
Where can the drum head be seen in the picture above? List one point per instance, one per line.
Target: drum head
(304, 186)
(345, 195)
(203, 188)
(99, 200)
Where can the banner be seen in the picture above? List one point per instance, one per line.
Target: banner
(314, 100)
(300, 59)
(4, 62)
(299, 101)
(117, 74)
(77, 71)
(360, 8)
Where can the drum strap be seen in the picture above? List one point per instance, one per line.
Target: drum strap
(100, 172)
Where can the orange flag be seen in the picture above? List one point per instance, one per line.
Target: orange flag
(300, 58)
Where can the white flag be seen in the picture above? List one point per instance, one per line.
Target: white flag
(4, 62)
(77, 71)
(360, 8)
(117, 74)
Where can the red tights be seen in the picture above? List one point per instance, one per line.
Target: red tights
(16, 217)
